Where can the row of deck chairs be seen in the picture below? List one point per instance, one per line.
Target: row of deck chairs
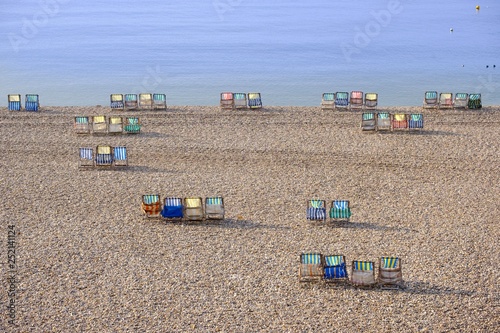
(332, 269)
(179, 209)
(344, 100)
(231, 101)
(384, 121)
(339, 210)
(141, 101)
(107, 125)
(447, 101)
(31, 102)
(103, 156)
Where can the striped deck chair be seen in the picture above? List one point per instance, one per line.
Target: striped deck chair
(369, 121)
(328, 101)
(115, 125)
(116, 101)
(103, 156)
(86, 157)
(240, 100)
(172, 209)
(340, 210)
(445, 100)
(363, 273)
(254, 101)
(226, 101)
(356, 100)
(146, 101)
(316, 210)
(389, 274)
(431, 99)
(159, 101)
(120, 157)
(132, 125)
(371, 101)
(214, 208)
(335, 269)
(311, 267)
(341, 100)
(461, 100)
(99, 125)
(131, 102)
(399, 121)
(383, 121)
(32, 102)
(416, 121)
(82, 125)
(193, 209)
(474, 101)
(14, 102)
(151, 205)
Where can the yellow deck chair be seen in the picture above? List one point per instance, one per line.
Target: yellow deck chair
(146, 101)
(99, 125)
(193, 209)
(115, 125)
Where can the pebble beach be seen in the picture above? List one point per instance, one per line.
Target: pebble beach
(87, 260)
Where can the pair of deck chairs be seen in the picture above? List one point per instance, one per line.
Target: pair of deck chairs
(384, 121)
(332, 269)
(142, 101)
(179, 209)
(231, 101)
(31, 102)
(106, 125)
(356, 100)
(447, 101)
(103, 156)
(339, 210)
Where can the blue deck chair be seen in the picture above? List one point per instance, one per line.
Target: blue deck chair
(146, 101)
(316, 210)
(173, 209)
(328, 101)
(14, 102)
(32, 102)
(311, 267)
(416, 121)
(475, 101)
(86, 157)
(99, 125)
(193, 209)
(160, 101)
(151, 205)
(371, 101)
(214, 208)
(226, 101)
(131, 102)
(120, 157)
(103, 156)
(390, 273)
(431, 99)
(115, 125)
(254, 101)
(116, 101)
(341, 100)
(356, 100)
(132, 125)
(445, 100)
(369, 121)
(335, 268)
(363, 273)
(461, 100)
(82, 125)
(240, 100)
(340, 210)
(383, 121)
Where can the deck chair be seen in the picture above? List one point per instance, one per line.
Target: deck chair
(328, 101)
(389, 273)
(431, 99)
(226, 101)
(356, 100)
(341, 100)
(86, 158)
(254, 101)
(32, 102)
(115, 125)
(82, 125)
(371, 101)
(172, 209)
(416, 121)
(146, 101)
(116, 101)
(240, 100)
(214, 208)
(193, 209)
(399, 121)
(151, 205)
(340, 210)
(99, 125)
(159, 101)
(461, 100)
(14, 102)
(369, 121)
(131, 102)
(120, 157)
(311, 267)
(316, 210)
(103, 156)
(445, 100)
(132, 125)
(363, 273)
(474, 101)
(383, 121)
(335, 269)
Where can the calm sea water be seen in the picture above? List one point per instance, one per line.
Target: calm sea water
(79, 52)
